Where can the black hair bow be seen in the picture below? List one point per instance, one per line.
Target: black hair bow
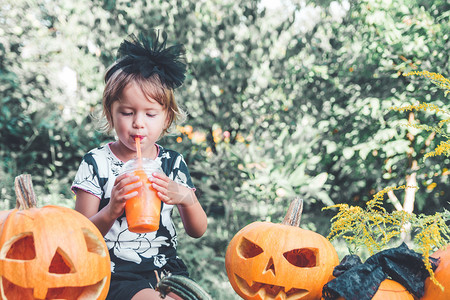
(149, 55)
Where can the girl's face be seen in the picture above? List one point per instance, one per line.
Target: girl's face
(134, 115)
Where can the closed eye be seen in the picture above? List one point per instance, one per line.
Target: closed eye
(126, 113)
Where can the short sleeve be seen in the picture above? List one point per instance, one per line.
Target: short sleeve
(180, 172)
(87, 178)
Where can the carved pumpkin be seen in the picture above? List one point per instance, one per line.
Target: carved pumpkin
(442, 274)
(280, 261)
(51, 253)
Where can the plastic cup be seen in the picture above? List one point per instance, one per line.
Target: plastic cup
(143, 211)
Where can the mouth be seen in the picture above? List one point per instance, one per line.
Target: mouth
(269, 291)
(135, 137)
(12, 291)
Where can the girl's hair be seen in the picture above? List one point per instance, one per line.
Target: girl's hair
(151, 87)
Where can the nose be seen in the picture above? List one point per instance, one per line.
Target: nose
(138, 121)
(270, 266)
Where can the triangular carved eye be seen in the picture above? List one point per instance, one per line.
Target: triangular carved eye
(93, 244)
(61, 263)
(248, 249)
(302, 258)
(22, 248)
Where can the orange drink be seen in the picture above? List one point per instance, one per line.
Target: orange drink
(143, 211)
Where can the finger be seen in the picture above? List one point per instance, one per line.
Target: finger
(130, 189)
(160, 175)
(120, 198)
(159, 188)
(159, 182)
(125, 179)
(129, 196)
(120, 178)
(164, 198)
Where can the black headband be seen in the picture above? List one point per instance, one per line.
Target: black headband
(148, 56)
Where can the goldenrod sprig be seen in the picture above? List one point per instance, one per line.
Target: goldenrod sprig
(435, 78)
(444, 147)
(432, 232)
(374, 228)
(437, 129)
(421, 106)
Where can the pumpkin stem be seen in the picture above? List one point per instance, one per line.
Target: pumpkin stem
(25, 196)
(181, 286)
(294, 214)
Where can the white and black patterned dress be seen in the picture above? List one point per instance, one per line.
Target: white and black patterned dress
(131, 251)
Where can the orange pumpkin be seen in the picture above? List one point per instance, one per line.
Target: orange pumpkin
(442, 274)
(52, 253)
(392, 290)
(280, 261)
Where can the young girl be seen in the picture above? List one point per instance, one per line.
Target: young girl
(138, 102)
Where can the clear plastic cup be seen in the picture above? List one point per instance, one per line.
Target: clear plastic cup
(143, 211)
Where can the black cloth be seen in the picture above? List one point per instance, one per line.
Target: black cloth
(125, 285)
(360, 281)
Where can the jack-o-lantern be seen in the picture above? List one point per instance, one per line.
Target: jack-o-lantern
(51, 252)
(280, 261)
(442, 274)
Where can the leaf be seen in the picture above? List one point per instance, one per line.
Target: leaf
(319, 181)
(348, 152)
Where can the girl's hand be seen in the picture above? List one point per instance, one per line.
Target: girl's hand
(88, 204)
(191, 212)
(171, 192)
(121, 192)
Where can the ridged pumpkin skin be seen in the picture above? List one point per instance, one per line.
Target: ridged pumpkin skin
(390, 290)
(276, 261)
(52, 252)
(442, 274)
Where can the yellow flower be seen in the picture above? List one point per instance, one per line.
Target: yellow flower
(217, 135)
(431, 186)
(180, 128)
(188, 129)
(240, 138)
(436, 78)
(198, 137)
(442, 148)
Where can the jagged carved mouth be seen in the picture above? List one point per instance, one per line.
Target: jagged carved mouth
(93, 291)
(269, 291)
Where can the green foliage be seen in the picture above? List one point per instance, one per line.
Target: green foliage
(361, 58)
(444, 147)
(375, 228)
(284, 98)
(44, 125)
